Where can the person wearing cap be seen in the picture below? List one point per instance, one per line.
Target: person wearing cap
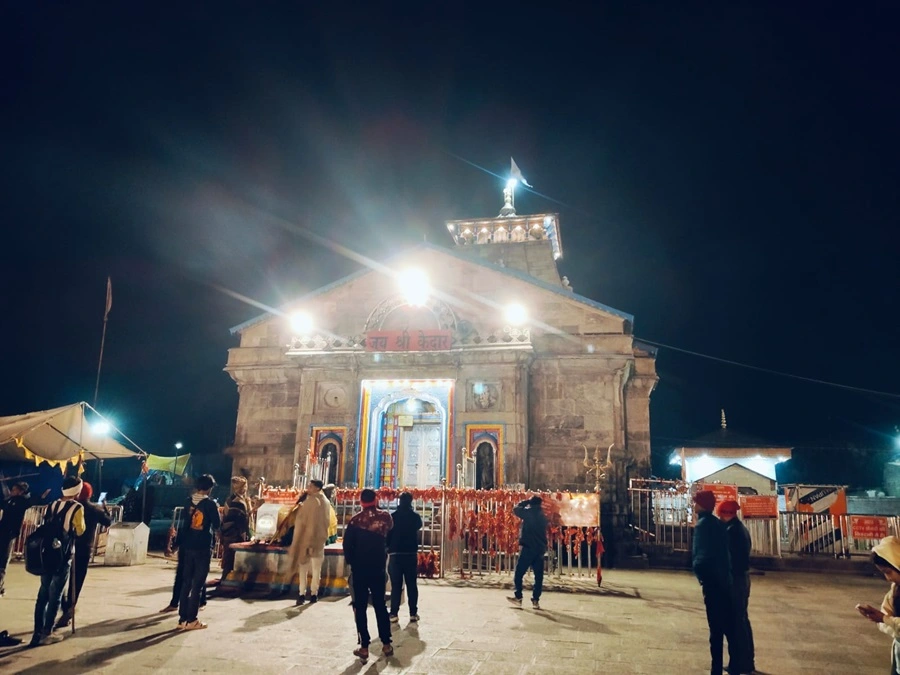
(235, 522)
(739, 545)
(365, 550)
(533, 540)
(71, 517)
(12, 514)
(712, 567)
(886, 558)
(307, 553)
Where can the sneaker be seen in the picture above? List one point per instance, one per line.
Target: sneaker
(535, 604)
(301, 601)
(36, 639)
(63, 621)
(394, 618)
(313, 598)
(414, 618)
(196, 624)
(169, 608)
(517, 602)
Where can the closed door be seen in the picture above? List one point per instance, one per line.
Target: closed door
(421, 460)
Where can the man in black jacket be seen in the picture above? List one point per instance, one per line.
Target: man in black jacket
(365, 549)
(712, 567)
(739, 546)
(403, 548)
(195, 537)
(533, 540)
(94, 515)
(12, 513)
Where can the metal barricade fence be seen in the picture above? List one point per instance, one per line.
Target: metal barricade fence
(661, 512)
(468, 531)
(34, 516)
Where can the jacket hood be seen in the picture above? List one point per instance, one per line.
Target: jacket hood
(889, 549)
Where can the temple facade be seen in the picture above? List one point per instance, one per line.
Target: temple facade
(470, 363)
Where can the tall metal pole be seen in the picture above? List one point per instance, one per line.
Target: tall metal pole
(100, 363)
(103, 338)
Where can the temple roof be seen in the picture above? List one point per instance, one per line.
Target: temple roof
(726, 438)
(459, 255)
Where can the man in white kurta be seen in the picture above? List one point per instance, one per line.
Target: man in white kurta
(308, 546)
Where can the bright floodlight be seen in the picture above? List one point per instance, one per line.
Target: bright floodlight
(301, 323)
(102, 427)
(414, 286)
(179, 445)
(515, 314)
(511, 183)
(675, 460)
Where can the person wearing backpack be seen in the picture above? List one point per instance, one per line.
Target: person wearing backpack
(195, 537)
(12, 514)
(53, 543)
(94, 515)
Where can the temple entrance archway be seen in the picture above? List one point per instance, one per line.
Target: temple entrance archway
(405, 431)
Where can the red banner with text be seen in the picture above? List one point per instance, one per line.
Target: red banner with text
(868, 527)
(409, 340)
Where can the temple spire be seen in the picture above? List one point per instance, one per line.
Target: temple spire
(724, 421)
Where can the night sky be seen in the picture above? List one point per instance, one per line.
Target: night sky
(725, 172)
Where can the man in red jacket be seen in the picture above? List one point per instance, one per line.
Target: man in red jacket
(365, 549)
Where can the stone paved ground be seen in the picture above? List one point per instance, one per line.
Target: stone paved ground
(643, 622)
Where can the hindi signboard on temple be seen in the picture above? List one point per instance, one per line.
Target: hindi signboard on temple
(868, 527)
(759, 506)
(409, 340)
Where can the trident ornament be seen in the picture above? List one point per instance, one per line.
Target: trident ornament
(595, 467)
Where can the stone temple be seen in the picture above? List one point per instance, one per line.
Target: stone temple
(473, 362)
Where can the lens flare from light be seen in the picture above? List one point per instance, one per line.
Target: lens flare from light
(301, 323)
(515, 314)
(414, 286)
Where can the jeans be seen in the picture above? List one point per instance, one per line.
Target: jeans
(179, 582)
(82, 559)
(366, 581)
(312, 566)
(6, 547)
(720, 617)
(743, 632)
(48, 599)
(529, 557)
(404, 567)
(196, 569)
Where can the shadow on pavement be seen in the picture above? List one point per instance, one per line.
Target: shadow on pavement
(150, 591)
(118, 626)
(96, 658)
(272, 617)
(575, 623)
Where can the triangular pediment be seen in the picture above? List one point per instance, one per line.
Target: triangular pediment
(477, 293)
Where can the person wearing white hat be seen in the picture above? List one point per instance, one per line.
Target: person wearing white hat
(70, 516)
(886, 558)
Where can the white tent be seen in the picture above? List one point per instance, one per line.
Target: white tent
(60, 437)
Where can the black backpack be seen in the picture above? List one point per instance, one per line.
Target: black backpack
(49, 547)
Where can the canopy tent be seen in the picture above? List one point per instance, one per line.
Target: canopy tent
(60, 437)
(177, 465)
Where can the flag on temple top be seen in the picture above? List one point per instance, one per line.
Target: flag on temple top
(108, 297)
(516, 173)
